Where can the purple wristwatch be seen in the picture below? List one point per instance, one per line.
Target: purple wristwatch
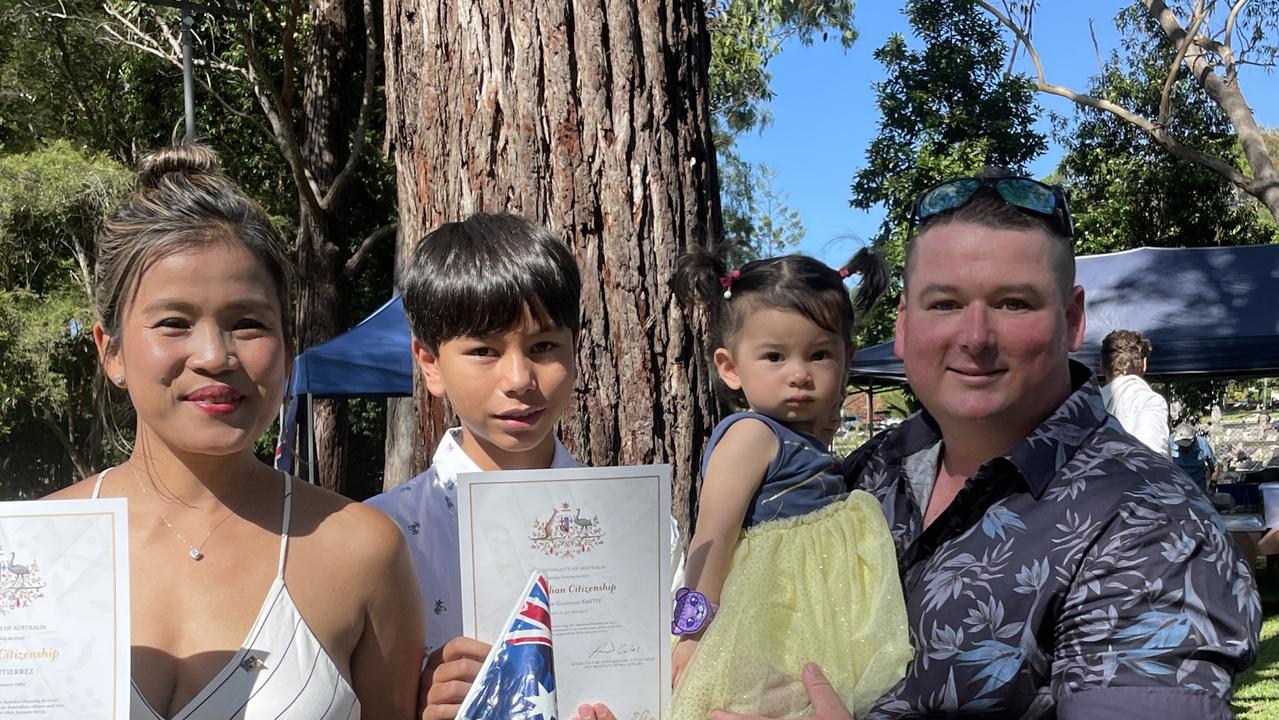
(693, 612)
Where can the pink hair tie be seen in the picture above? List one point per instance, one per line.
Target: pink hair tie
(843, 273)
(726, 282)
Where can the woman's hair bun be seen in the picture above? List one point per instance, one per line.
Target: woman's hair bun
(181, 159)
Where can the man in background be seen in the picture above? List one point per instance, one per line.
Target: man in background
(1139, 409)
(1194, 455)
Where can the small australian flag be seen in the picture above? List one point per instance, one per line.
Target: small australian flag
(517, 680)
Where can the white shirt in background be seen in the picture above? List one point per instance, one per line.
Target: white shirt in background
(1139, 409)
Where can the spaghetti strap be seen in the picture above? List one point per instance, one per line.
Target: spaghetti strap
(284, 523)
(97, 486)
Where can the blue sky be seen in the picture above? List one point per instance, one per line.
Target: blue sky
(824, 113)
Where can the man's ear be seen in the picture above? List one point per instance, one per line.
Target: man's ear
(112, 363)
(428, 361)
(899, 336)
(727, 369)
(1075, 321)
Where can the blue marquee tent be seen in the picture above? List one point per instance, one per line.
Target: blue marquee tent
(1209, 312)
(370, 360)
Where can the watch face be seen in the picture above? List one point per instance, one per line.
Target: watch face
(690, 613)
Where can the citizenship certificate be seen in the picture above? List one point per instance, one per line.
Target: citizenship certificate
(64, 609)
(602, 538)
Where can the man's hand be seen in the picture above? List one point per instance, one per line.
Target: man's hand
(598, 711)
(680, 656)
(826, 704)
(449, 672)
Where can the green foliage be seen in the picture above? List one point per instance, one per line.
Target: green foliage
(62, 78)
(947, 109)
(747, 34)
(1125, 190)
(756, 217)
(51, 201)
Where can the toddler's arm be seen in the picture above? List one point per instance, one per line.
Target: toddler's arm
(733, 474)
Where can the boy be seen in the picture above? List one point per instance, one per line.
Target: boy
(493, 304)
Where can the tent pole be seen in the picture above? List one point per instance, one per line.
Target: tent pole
(870, 411)
(310, 438)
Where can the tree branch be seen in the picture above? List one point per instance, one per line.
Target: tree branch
(1157, 133)
(1165, 95)
(291, 11)
(148, 44)
(281, 123)
(361, 253)
(371, 53)
(1227, 52)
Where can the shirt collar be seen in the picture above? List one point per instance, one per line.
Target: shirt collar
(1040, 455)
(450, 460)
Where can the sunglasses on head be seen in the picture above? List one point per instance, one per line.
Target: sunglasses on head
(1046, 202)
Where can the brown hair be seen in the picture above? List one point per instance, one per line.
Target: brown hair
(796, 283)
(1123, 353)
(182, 201)
(989, 210)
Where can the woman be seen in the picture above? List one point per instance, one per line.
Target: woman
(253, 596)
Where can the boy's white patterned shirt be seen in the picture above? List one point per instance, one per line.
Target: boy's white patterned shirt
(425, 508)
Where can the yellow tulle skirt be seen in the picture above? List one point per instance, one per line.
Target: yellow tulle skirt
(821, 587)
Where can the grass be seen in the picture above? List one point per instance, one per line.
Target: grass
(1257, 690)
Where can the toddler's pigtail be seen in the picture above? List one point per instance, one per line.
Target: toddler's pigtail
(697, 280)
(874, 274)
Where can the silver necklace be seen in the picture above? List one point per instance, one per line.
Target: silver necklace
(195, 552)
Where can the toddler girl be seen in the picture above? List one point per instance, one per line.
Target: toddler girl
(785, 566)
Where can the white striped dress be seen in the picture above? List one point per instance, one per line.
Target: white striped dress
(281, 671)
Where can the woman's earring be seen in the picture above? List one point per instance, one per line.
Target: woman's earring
(118, 380)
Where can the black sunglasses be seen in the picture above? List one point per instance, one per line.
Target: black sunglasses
(1047, 202)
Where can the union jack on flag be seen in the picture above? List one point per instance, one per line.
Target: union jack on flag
(517, 679)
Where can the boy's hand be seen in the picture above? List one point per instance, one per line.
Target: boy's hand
(680, 656)
(449, 672)
(826, 704)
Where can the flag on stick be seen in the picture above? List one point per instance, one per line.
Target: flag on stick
(517, 679)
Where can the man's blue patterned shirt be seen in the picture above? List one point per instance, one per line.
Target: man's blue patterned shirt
(1079, 575)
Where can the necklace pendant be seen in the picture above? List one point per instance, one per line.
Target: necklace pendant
(196, 554)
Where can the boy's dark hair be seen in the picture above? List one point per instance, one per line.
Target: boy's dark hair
(790, 282)
(479, 276)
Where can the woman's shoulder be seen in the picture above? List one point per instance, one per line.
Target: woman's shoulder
(331, 523)
(81, 490)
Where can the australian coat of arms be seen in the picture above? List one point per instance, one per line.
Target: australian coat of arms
(20, 583)
(565, 533)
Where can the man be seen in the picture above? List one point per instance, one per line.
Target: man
(1053, 567)
(1194, 455)
(1138, 408)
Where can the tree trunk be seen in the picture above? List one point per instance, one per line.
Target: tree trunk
(403, 435)
(321, 240)
(592, 118)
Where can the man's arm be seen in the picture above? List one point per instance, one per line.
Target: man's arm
(1150, 425)
(1162, 616)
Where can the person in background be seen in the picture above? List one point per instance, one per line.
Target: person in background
(1193, 454)
(1138, 408)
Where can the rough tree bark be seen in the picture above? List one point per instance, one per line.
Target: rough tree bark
(321, 238)
(593, 118)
